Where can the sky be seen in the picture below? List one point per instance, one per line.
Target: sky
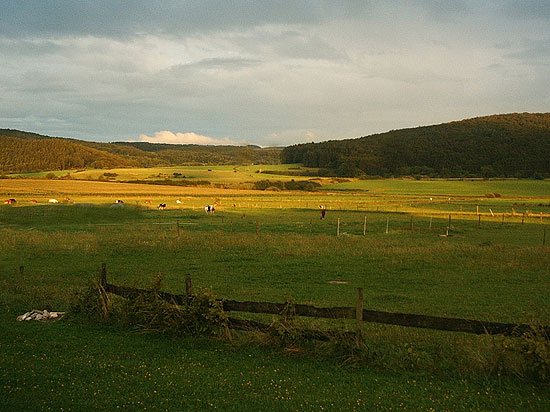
(272, 73)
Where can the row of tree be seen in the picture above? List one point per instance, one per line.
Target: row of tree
(23, 155)
(23, 152)
(512, 145)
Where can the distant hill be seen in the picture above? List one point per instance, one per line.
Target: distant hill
(24, 152)
(20, 155)
(23, 135)
(507, 145)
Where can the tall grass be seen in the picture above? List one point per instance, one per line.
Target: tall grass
(495, 273)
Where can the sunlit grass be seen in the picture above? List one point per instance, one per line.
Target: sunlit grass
(268, 247)
(441, 187)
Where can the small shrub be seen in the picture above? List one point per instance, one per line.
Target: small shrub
(534, 350)
(149, 313)
(93, 303)
(285, 327)
(265, 184)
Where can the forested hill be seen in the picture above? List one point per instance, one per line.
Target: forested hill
(32, 155)
(507, 145)
(23, 152)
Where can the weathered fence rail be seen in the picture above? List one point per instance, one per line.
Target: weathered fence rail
(388, 318)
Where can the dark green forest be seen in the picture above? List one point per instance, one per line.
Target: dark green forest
(508, 145)
(22, 152)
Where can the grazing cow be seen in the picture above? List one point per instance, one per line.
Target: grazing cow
(210, 208)
(10, 201)
(53, 201)
(33, 201)
(119, 201)
(162, 206)
(178, 202)
(147, 201)
(323, 211)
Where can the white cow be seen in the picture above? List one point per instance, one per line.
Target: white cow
(53, 201)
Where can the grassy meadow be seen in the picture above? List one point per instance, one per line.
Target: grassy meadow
(236, 177)
(273, 246)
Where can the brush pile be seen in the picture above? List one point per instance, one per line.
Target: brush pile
(40, 315)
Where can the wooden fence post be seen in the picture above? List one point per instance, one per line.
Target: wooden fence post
(188, 286)
(522, 218)
(21, 270)
(502, 218)
(544, 236)
(310, 228)
(103, 279)
(178, 229)
(412, 227)
(338, 228)
(541, 217)
(431, 218)
(257, 227)
(359, 313)
(479, 221)
(449, 220)
(387, 225)
(365, 226)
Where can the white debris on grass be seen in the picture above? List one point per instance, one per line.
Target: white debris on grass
(41, 315)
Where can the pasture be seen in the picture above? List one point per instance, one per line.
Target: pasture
(236, 177)
(272, 247)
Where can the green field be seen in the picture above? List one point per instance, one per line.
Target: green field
(237, 176)
(478, 187)
(492, 270)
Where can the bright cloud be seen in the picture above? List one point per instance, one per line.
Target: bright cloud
(166, 136)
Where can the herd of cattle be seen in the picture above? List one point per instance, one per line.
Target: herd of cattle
(120, 203)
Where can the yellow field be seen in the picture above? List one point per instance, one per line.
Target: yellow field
(506, 208)
(47, 188)
(234, 176)
(191, 197)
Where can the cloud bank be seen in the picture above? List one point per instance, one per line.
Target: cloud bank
(267, 72)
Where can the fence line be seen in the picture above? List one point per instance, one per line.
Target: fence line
(357, 312)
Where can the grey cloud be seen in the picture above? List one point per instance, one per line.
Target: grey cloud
(535, 52)
(28, 48)
(526, 9)
(445, 10)
(296, 45)
(263, 71)
(227, 63)
(126, 19)
(503, 45)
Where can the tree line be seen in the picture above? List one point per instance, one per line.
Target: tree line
(23, 152)
(511, 145)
